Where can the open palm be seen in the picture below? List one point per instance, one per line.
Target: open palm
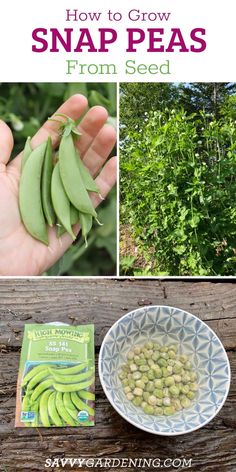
(20, 253)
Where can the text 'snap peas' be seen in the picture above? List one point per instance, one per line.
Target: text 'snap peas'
(56, 386)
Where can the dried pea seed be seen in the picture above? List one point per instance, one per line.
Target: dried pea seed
(137, 401)
(174, 390)
(149, 410)
(169, 381)
(169, 410)
(191, 395)
(137, 375)
(129, 396)
(166, 401)
(152, 400)
(140, 384)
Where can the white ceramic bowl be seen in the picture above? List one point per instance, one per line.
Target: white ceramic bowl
(167, 325)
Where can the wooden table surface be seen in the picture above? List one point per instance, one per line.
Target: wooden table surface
(102, 302)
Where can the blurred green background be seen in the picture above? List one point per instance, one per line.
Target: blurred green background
(25, 107)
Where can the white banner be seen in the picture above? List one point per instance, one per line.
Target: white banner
(117, 41)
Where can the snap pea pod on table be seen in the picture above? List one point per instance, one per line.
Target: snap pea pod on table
(55, 191)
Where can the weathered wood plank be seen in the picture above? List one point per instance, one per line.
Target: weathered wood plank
(206, 300)
(11, 334)
(103, 301)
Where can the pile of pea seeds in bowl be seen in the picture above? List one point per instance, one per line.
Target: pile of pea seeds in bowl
(158, 380)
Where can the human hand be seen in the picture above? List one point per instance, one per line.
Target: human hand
(20, 253)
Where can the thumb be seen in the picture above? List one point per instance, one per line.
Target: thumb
(6, 142)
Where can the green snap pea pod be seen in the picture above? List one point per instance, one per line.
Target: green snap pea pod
(75, 369)
(60, 201)
(70, 379)
(88, 181)
(65, 415)
(52, 410)
(71, 177)
(69, 405)
(73, 387)
(30, 195)
(26, 152)
(74, 215)
(32, 373)
(43, 408)
(46, 185)
(86, 222)
(26, 406)
(74, 218)
(35, 409)
(85, 395)
(60, 230)
(80, 405)
(40, 388)
(43, 374)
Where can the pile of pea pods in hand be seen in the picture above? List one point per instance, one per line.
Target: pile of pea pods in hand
(56, 395)
(54, 190)
(158, 380)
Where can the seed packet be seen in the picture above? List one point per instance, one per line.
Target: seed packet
(56, 377)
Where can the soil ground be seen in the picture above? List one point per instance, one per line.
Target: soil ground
(129, 247)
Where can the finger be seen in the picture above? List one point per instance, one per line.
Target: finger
(74, 107)
(100, 149)
(105, 180)
(90, 127)
(6, 143)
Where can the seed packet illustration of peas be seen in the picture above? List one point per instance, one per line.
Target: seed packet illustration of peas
(56, 379)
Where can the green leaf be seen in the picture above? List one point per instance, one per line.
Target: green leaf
(179, 249)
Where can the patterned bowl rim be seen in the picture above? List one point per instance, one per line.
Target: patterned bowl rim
(143, 428)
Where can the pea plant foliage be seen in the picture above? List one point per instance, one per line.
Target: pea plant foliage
(178, 190)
